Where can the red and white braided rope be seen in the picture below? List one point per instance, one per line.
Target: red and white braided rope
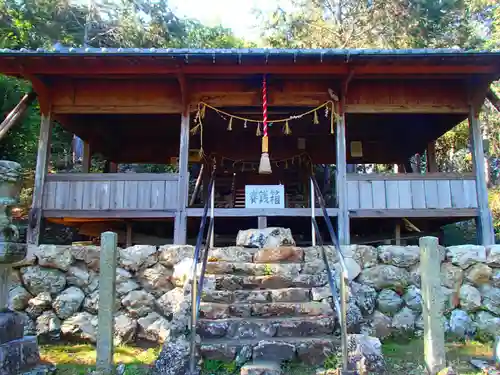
(264, 105)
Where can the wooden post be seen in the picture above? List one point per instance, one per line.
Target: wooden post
(261, 222)
(105, 315)
(42, 164)
(397, 234)
(431, 157)
(180, 225)
(484, 221)
(129, 234)
(341, 179)
(87, 158)
(432, 305)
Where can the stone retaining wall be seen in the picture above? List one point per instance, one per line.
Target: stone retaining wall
(56, 289)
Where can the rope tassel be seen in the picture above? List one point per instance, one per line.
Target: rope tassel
(316, 120)
(258, 133)
(230, 125)
(286, 129)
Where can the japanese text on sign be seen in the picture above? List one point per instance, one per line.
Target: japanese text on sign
(264, 196)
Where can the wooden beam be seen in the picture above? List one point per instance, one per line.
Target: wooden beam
(13, 117)
(42, 163)
(423, 213)
(432, 166)
(485, 221)
(256, 212)
(110, 214)
(180, 228)
(492, 96)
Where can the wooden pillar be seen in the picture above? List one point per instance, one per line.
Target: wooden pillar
(431, 158)
(261, 222)
(484, 221)
(341, 178)
(42, 164)
(180, 226)
(129, 235)
(87, 158)
(397, 234)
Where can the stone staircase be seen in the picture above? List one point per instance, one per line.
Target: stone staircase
(258, 304)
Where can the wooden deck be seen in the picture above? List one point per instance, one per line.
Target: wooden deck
(110, 195)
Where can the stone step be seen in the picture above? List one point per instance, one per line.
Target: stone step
(261, 368)
(291, 254)
(212, 311)
(253, 269)
(265, 328)
(19, 355)
(258, 296)
(234, 282)
(309, 350)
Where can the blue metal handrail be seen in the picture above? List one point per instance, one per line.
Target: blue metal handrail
(339, 299)
(197, 287)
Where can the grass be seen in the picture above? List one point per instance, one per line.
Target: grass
(78, 359)
(401, 358)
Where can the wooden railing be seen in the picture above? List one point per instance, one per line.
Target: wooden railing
(111, 194)
(411, 191)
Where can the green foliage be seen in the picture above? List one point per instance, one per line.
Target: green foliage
(211, 367)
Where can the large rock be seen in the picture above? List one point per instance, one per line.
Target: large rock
(90, 255)
(413, 298)
(385, 276)
(382, 325)
(169, 303)
(230, 254)
(491, 298)
(353, 268)
(124, 329)
(78, 275)
(91, 303)
(174, 358)
(354, 318)
(364, 296)
(389, 302)
(488, 325)
(18, 298)
(139, 256)
(479, 274)
(495, 278)
(404, 322)
(53, 256)
(138, 303)
(461, 325)
(38, 280)
(153, 327)
(399, 256)
(182, 272)
(415, 275)
(279, 254)
(261, 368)
(39, 304)
(365, 354)
(48, 326)
(93, 282)
(267, 237)
(29, 324)
(465, 256)
(493, 255)
(470, 298)
(156, 280)
(273, 351)
(81, 326)
(170, 255)
(451, 276)
(314, 253)
(68, 302)
(365, 256)
(124, 282)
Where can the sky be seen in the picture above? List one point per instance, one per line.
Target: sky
(234, 14)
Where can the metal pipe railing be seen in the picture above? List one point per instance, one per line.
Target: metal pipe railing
(340, 306)
(197, 288)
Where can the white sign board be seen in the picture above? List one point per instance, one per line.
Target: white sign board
(265, 196)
